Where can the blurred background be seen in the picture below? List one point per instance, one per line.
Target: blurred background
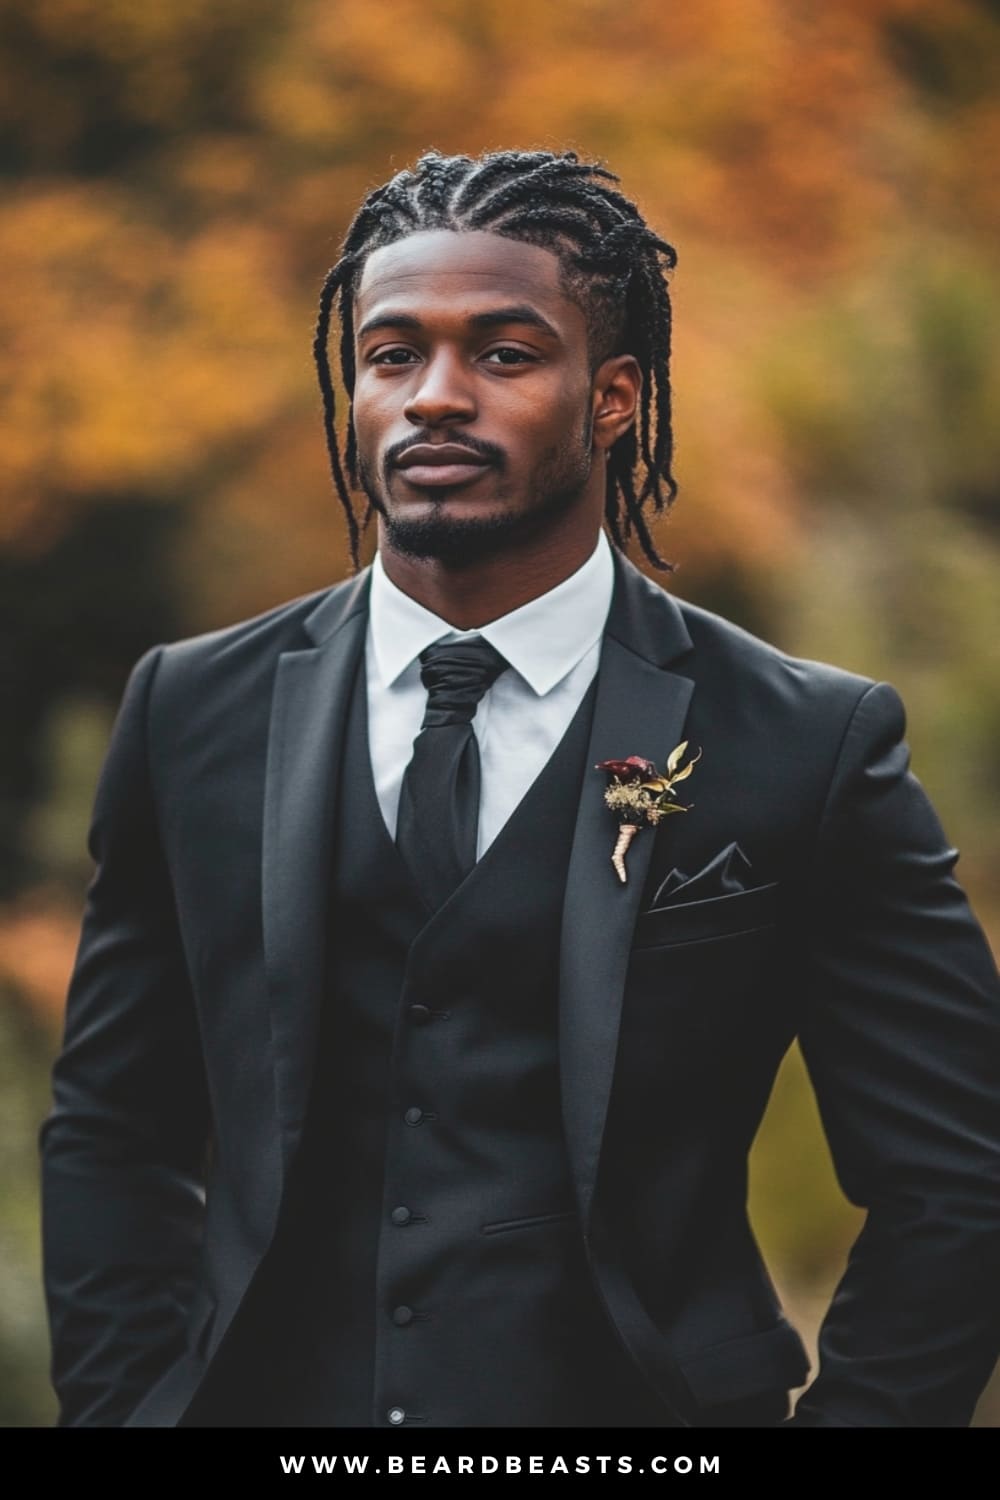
(176, 179)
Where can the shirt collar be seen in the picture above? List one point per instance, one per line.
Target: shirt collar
(542, 640)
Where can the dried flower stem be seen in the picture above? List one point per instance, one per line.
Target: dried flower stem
(626, 834)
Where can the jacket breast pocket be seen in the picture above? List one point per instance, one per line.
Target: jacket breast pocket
(701, 921)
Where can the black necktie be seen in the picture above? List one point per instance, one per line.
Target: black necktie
(438, 819)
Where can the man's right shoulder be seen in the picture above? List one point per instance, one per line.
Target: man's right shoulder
(253, 646)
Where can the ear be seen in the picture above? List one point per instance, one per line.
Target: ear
(616, 390)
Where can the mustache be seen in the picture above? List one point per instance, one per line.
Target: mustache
(488, 451)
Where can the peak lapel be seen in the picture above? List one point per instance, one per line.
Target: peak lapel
(308, 715)
(640, 709)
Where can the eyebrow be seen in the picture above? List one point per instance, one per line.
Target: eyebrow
(495, 318)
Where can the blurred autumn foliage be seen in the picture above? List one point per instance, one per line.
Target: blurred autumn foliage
(177, 176)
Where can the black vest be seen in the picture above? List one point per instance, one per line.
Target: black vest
(428, 1267)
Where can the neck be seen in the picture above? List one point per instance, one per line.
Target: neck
(471, 595)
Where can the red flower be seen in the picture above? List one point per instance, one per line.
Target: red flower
(634, 768)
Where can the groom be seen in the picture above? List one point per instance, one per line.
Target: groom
(386, 1098)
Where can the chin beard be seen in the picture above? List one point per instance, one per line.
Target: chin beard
(457, 543)
(461, 541)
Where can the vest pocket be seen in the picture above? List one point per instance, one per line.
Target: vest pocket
(501, 1226)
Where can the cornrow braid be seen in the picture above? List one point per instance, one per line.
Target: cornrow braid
(612, 263)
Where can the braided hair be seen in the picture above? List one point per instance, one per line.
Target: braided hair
(611, 263)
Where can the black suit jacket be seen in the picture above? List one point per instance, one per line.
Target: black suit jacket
(192, 1018)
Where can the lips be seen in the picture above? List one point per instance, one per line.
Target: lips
(431, 464)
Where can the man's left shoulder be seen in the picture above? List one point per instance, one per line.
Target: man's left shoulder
(748, 668)
(798, 716)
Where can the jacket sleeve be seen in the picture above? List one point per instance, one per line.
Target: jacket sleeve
(900, 1032)
(124, 1143)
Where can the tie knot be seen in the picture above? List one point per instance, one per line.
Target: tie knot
(456, 674)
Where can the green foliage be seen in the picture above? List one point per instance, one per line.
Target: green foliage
(25, 1050)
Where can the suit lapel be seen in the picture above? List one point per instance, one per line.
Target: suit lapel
(640, 709)
(308, 716)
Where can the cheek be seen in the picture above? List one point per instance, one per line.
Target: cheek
(567, 435)
(371, 413)
(545, 422)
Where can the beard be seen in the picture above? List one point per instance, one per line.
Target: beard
(461, 541)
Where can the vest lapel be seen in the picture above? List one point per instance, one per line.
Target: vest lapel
(308, 716)
(640, 710)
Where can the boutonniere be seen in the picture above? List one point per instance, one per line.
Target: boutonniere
(637, 793)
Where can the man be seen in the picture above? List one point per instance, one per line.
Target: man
(386, 1098)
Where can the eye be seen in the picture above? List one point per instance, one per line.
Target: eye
(509, 354)
(397, 355)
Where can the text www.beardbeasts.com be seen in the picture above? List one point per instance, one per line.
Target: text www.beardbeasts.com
(511, 1463)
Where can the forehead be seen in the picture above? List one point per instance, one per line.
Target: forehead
(442, 268)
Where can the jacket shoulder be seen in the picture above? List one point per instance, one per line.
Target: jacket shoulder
(254, 645)
(813, 724)
(746, 664)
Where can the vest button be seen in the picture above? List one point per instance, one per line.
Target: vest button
(414, 1115)
(402, 1316)
(419, 1014)
(401, 1216)
(396, 1415)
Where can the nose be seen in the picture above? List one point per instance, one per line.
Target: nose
(442, 394)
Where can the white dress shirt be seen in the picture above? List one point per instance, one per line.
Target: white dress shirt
(553, 645)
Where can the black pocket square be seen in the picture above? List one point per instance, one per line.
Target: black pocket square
(724, 875)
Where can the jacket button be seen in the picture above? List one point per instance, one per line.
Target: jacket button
(396, 1415)
(419, 1014)
(401, 1216)
(402, 1316)
(413, 1115)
